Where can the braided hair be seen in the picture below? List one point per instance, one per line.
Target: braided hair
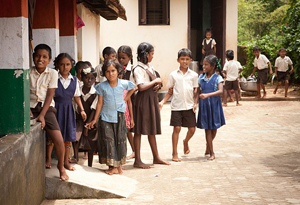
(142, 51)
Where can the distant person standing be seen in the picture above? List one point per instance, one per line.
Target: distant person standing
(208, 45)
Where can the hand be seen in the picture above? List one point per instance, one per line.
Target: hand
(160, 105)
(203, 96)
(275, 74)
(85, 132)
(41, 119)
(158, 80)
(271, 72)
(252, 74)
(131, 123)
(83, 115)
(291, 72)
(156, 88)
(91, 124)
(195, 108)
(170, 91)
(203, 51)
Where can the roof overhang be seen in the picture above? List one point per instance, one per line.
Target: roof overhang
(108, 9)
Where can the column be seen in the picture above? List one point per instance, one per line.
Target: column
(14, 67)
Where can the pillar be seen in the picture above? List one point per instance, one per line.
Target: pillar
(232, 26)
(46, 25)
(14, 67)
(68, 27)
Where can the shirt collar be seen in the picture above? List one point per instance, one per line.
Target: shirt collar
(188, 70)
(69, 76)
(128, 67)
(91, 92)
(204, 77)
(145, 66)
(45, 71)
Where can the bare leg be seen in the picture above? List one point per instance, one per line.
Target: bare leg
(67, 164)
(90, 158)
(49, 149)
(230, 96)
(137, 147)
(286, 88)
(175, 137)
(130, 139)
(237, 97)
(57, 139)
(225, 98)
(209, 140)
(258, 90)
(189, 135)
(264, 89)
(75, 158)
(153, 145)
(278, 84)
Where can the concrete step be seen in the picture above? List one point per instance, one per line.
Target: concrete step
(87, 182)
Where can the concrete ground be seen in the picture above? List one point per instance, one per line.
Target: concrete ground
(257, 161)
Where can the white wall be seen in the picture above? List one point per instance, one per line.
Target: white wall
(232, 25)
(166, 39)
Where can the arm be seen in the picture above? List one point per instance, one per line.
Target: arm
(216, 93)
(78, 102)
(270, 66)
(276, 71)
(196, 98)
(146, 86)
(48, 100)
(253, 71)
(129, 93)
(203, 51)
(215, 48)
(292, 68)
(224, 73)
(129, 103)
(166, 98)
(90, 118)
(98, 110)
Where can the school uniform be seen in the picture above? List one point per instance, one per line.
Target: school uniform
(210, 115)
(183, 97)
(232, 69)
(261, 63)
(282, 65)
(39, 84)
(99, 78)
(112, 147)
(208, 46)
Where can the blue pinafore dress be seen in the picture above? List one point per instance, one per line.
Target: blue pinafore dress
(210, 114)
(65, 112)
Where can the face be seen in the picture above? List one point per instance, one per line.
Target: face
(111, 73)
(88, 80)
(64, 66)
(41, 59)
(207, 68)
(123, 58)
(282, 53)
(184, 61)
(150, 55)
(208, 35)
(110, 56)
(256, 53)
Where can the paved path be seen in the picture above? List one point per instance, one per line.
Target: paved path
(257, 162)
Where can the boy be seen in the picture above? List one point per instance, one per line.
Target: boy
(282, 70)
(107, 53)
(184, 83)
(261, 63)
(231, 70)
(43, 82)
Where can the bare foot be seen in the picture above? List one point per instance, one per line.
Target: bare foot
(48, 163)
(69, 167)
(160, 161)
(224, 104)
(238, 104)
(120, 169)
(73, 160)
(141, 165)
(63, 175)
(85, 156)
(231, 100)
(212, 157)
(132, 156)
(175, 158)
(265, 95)
(258, 96)
(286, 96)
(112, 171)
(186, 149)
(274, 92)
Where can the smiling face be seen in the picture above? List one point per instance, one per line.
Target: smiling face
(41, 59)
(88, 80)
(64, 66)
(207, 68)
(150, 55)
(111, 73)
(184, 61)
(123, 58)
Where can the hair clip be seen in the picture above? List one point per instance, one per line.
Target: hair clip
(87, 70)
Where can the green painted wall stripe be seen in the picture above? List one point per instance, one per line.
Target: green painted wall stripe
(15, 101)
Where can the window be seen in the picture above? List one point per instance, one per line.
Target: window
(154, 12)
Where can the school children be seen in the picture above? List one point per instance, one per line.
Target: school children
(210, 114)
(184, 83)
(282, 72)
(231, 70)
(208, 45)
(107, 53)
(261, 63)
(43, 82)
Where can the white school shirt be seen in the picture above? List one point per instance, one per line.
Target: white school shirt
(232, 68)
(86, 96)
(99, 78)
(66, 82)
(261, 62)
(129, 68)
(39, 84)
(140, 75)
(282, 64)
(207, 42)
(183, 89)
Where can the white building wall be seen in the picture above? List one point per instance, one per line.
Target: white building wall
(166, 39)
(232, 26)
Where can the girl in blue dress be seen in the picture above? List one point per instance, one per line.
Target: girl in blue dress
(210, 115)
(111, 107)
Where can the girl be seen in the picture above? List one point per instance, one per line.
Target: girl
(208, 45)
(210, 114)
(87, 138)
(68, 88)
(146, 114)
(125, 59)
(112, 127)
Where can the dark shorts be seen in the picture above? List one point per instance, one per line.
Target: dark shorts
(229, 85)
(283, 75)
(183, 118)
(262, 76)
(50, 118)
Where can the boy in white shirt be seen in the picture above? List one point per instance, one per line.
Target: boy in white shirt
(184, 83)
(231, 71)
(261, 63)
(282, 70)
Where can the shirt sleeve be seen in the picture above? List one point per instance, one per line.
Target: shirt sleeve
(54, 79)
(130, 85)
(276, 63)
(266, 60)
(94, 104)
(225, 66)
(203, 42)
(240, 67)
(213, 42)
(98, 89)
(195, 83)
(77, 90)
(290, 61)
(218, 80)
(170, 83)
(139, 75)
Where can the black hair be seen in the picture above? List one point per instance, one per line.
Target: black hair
(211, 59)
(43, 47)
(84, 72)
(256, 48)
(61, 56)
(185, 52)
(282, 49)
(80, 65)
(230, 54)
(108, 50)
(122, 72)
(142, 51)
(208, 30)
(115, 63)
(127, 50)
